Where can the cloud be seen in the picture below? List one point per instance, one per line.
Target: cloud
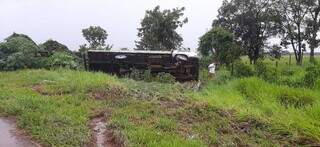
(63, 20)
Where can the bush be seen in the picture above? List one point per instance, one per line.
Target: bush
(266, 72)
(254, 89)
(296, 98)
(205, 61)
(62, 59)
(243, 70)
(311, 77)
(165, 78)
(223, 76)
(18, 53)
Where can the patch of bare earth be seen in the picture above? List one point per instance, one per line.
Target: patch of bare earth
(39, 89)
(101, 134)
(109, 93)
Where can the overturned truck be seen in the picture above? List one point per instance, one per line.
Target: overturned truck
(184, 66)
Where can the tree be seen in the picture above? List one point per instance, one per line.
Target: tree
(293, 25)
(275, 52)
(52, 46)
(313, 23)
(96, 36)
(15, 35)
(158, 29)
(18, 52)
(220, 43)
(251, 22)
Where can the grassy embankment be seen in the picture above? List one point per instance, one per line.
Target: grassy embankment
(55, 108)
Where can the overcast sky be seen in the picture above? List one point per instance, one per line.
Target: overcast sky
(63, 20)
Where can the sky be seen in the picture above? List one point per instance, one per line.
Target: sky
(63, 20)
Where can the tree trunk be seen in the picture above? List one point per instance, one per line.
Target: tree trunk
(300, 54)
(312, 59)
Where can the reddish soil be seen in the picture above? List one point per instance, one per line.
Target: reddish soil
(101, 134)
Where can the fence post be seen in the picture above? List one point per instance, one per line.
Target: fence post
(290, 60)
(85, 62)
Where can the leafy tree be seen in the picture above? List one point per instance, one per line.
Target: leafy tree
(251, 21)
(158, 29)
(275, 52)
(52, 46)
(293, 25)
(18, 52)
(14, 35)
(96, 36)
(220, 43)
(313, 22)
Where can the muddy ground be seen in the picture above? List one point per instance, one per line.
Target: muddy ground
(10, 136)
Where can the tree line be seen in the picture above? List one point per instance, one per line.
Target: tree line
(251, 23)
(242, 27)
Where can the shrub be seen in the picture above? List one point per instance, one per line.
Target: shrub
(291, 81)
(287, 72)
(205, 61)
(266, 72)
(223, 76)
(243, 70)
(254, 89)
(165, 78)
(296, 98)
(62, 59)
(311, 77)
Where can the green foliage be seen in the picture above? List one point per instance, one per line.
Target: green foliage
(251, 21)
(62, 59)
(165, 78)
(158, 29)
(205, 61)
(296, 98)
(220, 43)
(223, 76)
(243, 70)
(311, 77)
(52, 46)
(275, 52)
(19, 52)
(266, 72)
(15, 35)
(96, 36)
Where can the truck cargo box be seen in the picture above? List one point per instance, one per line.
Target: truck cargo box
(184, 66)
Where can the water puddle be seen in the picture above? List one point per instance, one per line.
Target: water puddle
(10, 136)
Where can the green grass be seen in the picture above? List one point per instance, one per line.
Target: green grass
(55, 108)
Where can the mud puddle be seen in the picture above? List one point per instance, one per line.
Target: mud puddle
(11, 137)
(102, 136)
